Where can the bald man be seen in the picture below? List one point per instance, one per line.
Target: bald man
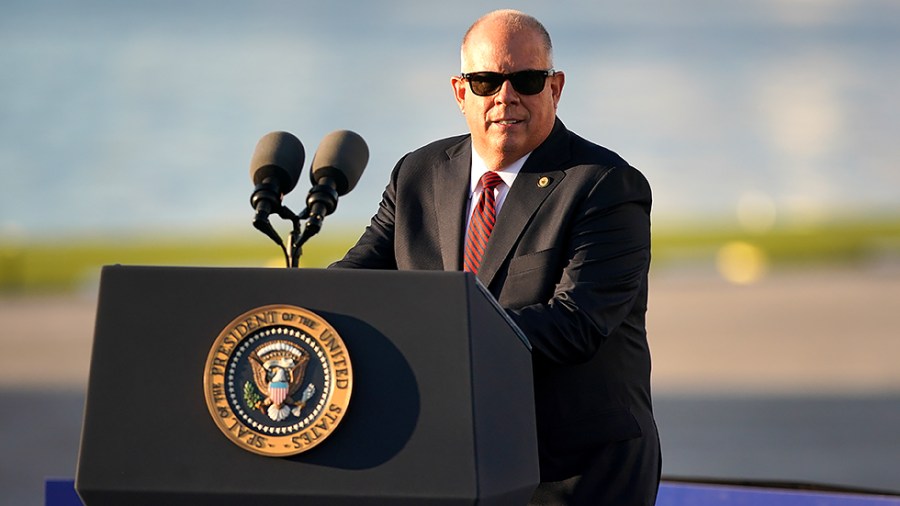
(558, 229)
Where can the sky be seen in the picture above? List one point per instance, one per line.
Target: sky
(143, 116)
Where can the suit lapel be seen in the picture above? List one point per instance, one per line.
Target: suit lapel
(537, 179)
(451, 190)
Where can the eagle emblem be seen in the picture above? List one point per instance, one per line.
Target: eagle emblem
(278, 370)
(277, 380)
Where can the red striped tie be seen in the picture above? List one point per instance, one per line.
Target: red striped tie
(482, 223)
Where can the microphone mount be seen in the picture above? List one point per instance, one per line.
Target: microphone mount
(318, 204)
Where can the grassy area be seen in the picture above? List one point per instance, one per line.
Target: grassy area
(833, 243)
(48, 265)
(54, 265)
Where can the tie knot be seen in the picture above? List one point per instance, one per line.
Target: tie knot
(490, 180)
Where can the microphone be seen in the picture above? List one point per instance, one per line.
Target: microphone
(274, 169)
(336, 168)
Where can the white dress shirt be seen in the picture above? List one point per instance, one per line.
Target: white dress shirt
(507, 174)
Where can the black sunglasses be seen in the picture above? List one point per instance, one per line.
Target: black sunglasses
(526, 82)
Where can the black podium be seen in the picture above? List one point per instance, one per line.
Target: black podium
(441, 410)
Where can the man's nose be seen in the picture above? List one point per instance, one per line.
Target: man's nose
(507, 93)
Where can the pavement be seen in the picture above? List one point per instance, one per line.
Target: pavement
(794, 379)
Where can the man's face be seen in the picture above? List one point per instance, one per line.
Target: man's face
(507, 125)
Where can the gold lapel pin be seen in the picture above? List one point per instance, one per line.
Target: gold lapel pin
(543, 182)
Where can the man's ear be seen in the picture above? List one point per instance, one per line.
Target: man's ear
(459, 91)
(557, 81)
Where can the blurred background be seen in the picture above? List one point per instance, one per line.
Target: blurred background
(768, 130)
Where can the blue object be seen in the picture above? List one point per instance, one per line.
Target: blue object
(694, 494)
(61, 492)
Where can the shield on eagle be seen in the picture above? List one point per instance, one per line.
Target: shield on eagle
(278, 370)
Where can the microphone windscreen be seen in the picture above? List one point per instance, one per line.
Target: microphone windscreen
(342, 155)
(279, 155)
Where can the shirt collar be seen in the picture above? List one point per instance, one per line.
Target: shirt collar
(507, 174)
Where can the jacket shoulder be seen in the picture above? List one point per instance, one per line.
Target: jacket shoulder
(441, 150)
(589, 153)
(605, 169)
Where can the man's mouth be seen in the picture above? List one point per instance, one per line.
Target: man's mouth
(508, 121)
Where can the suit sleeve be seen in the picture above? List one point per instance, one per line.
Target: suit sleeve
(601, 293)
(375, 248)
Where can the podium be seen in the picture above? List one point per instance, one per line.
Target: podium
(441, 410)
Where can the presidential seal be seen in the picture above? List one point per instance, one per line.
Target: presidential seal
(278, 380)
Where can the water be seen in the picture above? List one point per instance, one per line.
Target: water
(139, 117)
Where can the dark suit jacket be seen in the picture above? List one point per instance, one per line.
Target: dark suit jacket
(568, 258)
